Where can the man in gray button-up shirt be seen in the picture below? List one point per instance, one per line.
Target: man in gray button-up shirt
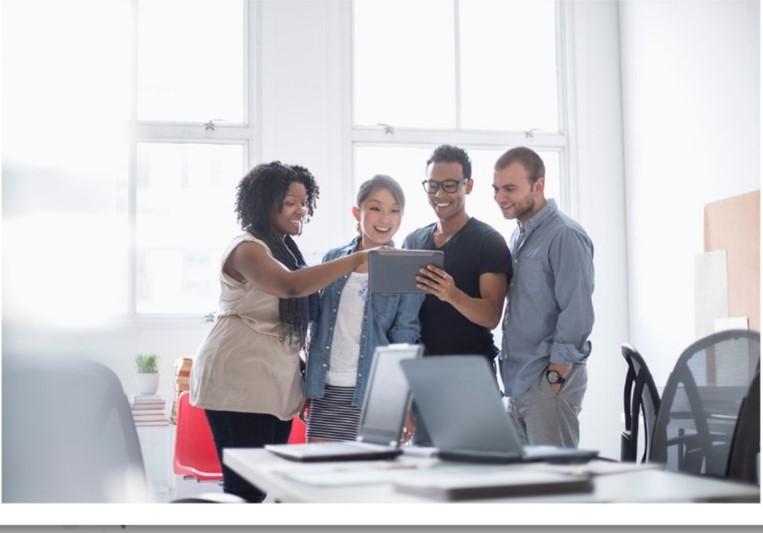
(549, 313)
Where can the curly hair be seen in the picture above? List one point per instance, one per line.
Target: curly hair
(446, 153)
(259, 192)
(264, 187)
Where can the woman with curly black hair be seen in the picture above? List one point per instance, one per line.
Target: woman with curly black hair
(246, 374)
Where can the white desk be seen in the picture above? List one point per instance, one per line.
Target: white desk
(371, 481)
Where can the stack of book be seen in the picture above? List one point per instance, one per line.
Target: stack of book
(148, 410)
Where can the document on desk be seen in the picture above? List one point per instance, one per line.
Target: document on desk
(598, 468)
(461, 486)
(355, 474)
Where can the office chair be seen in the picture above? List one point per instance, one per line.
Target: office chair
(68, 434)
(701, 401)
(297, 435)
(745, 445)
(195, 453)
(640, 397)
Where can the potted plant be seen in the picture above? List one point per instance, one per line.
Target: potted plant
(148, 373)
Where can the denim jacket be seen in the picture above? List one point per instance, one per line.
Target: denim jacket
(387, 318)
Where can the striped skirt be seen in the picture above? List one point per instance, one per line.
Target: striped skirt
(333, 416)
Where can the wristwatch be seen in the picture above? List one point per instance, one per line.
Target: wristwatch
(554, 377)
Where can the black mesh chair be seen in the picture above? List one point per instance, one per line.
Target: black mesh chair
(745, 447)
(701, 402)
(640, 398)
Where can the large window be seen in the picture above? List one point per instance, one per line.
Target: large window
(192, 145)
(482, 74)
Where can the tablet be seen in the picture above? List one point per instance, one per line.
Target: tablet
(394, 271)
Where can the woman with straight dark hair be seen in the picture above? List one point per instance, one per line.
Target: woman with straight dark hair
(352, 323)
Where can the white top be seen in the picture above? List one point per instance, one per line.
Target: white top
(345, 346)
(242, 365)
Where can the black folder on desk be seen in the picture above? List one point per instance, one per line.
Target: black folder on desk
(461, 406)
(461, 486)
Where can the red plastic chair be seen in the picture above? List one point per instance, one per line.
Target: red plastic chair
(297, 435)
(195, 453)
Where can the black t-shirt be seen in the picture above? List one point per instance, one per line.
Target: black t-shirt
(476, 249)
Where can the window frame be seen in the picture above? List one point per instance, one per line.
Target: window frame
(246, 133)
(561, 141)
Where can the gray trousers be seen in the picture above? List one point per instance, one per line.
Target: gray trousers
(545, 417)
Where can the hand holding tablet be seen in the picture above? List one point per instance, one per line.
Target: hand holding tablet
(435, 281)
(395, 271)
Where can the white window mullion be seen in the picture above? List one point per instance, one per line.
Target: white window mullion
(198, 132)
(252, 77)
(132, 246)
(346, 16)
(470, 137)
(567, 113)
(132, 188)
(457, 59)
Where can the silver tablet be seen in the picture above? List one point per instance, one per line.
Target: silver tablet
(394, 271)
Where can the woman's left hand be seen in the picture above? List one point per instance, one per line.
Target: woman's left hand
(304, 410)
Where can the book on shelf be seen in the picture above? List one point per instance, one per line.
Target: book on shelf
(156, 396)
(142, 403)
(144, 424)
(147, 407)
(148, 398)
(152, 416)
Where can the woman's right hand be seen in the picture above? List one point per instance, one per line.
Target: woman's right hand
(304, 411)
(363, 254)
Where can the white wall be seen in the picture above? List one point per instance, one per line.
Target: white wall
(597, 148)
(691, 111)
(302, 106)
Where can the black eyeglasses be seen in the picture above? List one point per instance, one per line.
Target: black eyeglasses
(449, 186)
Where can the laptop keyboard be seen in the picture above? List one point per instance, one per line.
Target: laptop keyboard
(339, 447)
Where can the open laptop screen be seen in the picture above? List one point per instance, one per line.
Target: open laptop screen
(387, 396)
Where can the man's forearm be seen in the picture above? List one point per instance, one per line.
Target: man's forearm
(481, 311)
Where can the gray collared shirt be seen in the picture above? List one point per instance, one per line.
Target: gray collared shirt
(549, 312)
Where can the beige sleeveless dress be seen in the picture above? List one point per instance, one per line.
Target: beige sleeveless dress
(242, 365)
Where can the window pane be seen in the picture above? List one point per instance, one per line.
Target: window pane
(184, 219)
(407, 165)
(191, 60)
(403, 63)
(508, 64)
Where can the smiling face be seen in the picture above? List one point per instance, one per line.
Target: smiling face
(448, 205)
(515, 194)
(289, 220)
(379, 216)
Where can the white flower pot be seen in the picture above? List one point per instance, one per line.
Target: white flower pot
(147, 383)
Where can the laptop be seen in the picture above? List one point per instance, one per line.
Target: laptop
(385, 406)
(461, 405)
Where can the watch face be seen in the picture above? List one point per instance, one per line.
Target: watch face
(553, 377)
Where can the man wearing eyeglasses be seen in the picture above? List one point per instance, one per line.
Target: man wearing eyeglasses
(549, 314)
(464, 300)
